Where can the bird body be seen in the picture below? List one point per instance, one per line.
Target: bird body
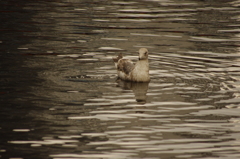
(129, 71)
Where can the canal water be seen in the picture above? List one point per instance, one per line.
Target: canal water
(60, 98)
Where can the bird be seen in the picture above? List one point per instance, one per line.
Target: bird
(128, 71)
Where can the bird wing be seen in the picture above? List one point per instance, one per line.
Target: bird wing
(118, 58)
(125, 65)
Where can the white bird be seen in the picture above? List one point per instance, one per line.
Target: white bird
(129, 72)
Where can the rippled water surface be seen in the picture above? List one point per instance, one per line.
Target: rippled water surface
(60, 97)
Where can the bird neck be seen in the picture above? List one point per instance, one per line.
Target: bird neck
(142, 64)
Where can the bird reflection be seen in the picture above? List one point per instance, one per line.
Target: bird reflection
(139, 89)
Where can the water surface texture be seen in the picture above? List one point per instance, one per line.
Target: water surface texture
(60, 98)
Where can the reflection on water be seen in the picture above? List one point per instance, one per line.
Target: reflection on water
(139, 89)
(60, 97)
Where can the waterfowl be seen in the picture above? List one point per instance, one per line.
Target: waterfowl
(129, 71)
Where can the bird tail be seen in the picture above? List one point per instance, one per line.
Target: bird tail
(116, 59)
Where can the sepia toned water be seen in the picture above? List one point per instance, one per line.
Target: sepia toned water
(60, 98)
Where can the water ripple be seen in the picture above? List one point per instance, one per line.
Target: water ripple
(78, 108)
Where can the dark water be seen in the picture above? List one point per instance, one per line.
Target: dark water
(60, 98)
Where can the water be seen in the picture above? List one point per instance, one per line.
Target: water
(59, 94)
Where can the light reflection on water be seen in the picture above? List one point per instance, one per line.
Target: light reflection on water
(190, 109)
